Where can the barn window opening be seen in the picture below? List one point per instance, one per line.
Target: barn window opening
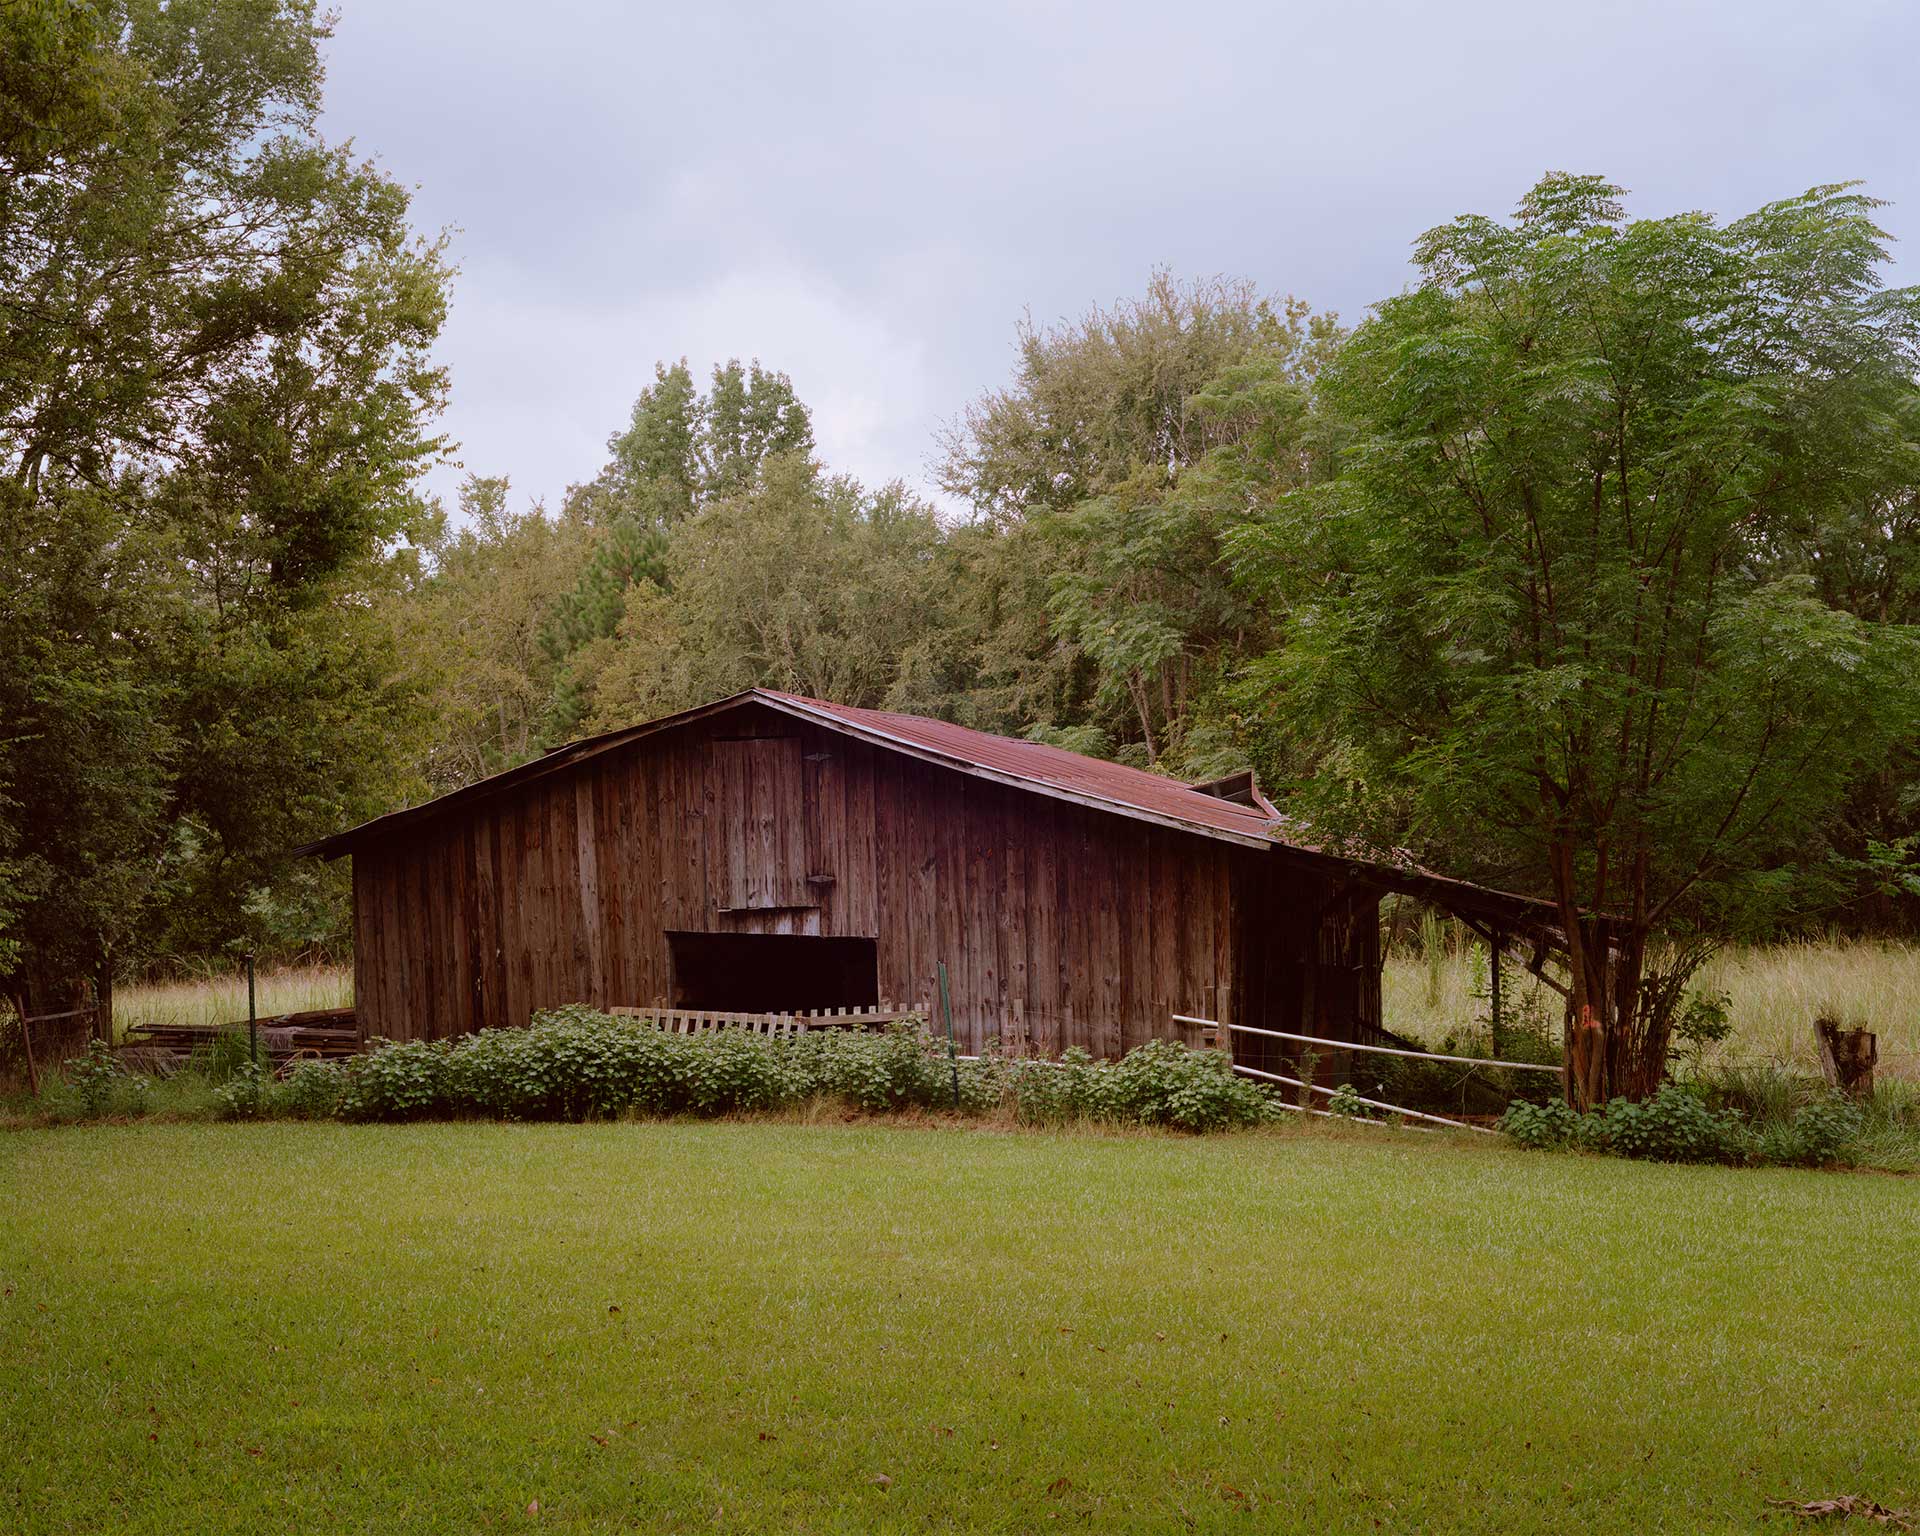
(773, 972)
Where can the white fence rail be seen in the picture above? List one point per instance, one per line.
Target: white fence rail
(1388, 1050)
(1354, 1045)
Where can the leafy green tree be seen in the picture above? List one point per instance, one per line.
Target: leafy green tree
(475, 631)
(216, 393)
(680, 452)
(749, 416)
(1107, 472)
(800, 582)
(1550, 614)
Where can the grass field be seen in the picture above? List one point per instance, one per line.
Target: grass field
(747, 1326)
(222, 999)
(1777, 991)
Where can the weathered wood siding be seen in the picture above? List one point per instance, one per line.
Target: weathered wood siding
(1060, 925)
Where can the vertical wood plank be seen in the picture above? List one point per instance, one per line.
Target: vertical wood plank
(1042, 913)
(857, 909)
(586, 861)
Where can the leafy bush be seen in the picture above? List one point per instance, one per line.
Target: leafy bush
(1674, 1126)
(1823, 1132)
(93, 1076)
(1791, 1123)
(1541, 1126)
(397, 1081)
(246, 1094)
(575, 1064)
(312, 1091)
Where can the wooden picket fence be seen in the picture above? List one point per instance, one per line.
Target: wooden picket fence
(700, 1021)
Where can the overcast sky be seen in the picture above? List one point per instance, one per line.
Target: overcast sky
(868, 196)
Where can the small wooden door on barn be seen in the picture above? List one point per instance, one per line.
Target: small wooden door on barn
(757, 831)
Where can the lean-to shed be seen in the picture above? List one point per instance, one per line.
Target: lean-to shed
(771, 852)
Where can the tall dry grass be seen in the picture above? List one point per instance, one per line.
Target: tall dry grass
(223, 999)
(1777, 991)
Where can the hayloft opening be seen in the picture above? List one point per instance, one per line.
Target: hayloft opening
(772, 972)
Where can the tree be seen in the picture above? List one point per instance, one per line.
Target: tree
(1549, 611)
(800, 582)
(215, 403)
(1106, 473)
(475, 631)
(681, 452)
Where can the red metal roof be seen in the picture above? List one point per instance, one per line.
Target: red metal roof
(1039, 766)
(1028, 764)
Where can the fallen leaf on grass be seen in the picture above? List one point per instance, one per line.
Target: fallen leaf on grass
(881, 1481)
(1059, 1488)
(534, 1507)
(1848, 1506)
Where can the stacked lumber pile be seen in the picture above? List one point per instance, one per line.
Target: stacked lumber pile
(318, 1034)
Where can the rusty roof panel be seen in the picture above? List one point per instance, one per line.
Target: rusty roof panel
(1045, 767)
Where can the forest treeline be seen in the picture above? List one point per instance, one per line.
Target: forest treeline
(1589, 565)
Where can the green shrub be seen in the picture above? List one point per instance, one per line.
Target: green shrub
(246, 1093)
(134, 1095)
(1680, 1125)
(1674, 1126)
(1167, 1083)
(898, 1068)
(397, 1081)
(1824, 1132)
(575, 1064)
(1541, 1126)
(312, 1091)
(93, 1076)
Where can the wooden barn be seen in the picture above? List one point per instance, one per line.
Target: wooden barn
(771, 852)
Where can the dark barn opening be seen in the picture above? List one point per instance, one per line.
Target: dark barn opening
(773, 972)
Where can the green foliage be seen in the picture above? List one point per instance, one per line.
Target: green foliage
(1824, 1132)
(229, 1051)
(397, 1081)
(216, 393)
(247, 1094)
(1167, 1083)
(1770, 1117)
(797, 582)
(1703, 1021)
(1553, 620)
(93, 1077)
(1674, 1126)
(311, 1091)
(576, 1064)
(1551, 1124)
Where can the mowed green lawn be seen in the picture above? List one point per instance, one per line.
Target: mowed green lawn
(742, 1326)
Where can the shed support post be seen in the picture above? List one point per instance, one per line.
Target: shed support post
(1493, 1023)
